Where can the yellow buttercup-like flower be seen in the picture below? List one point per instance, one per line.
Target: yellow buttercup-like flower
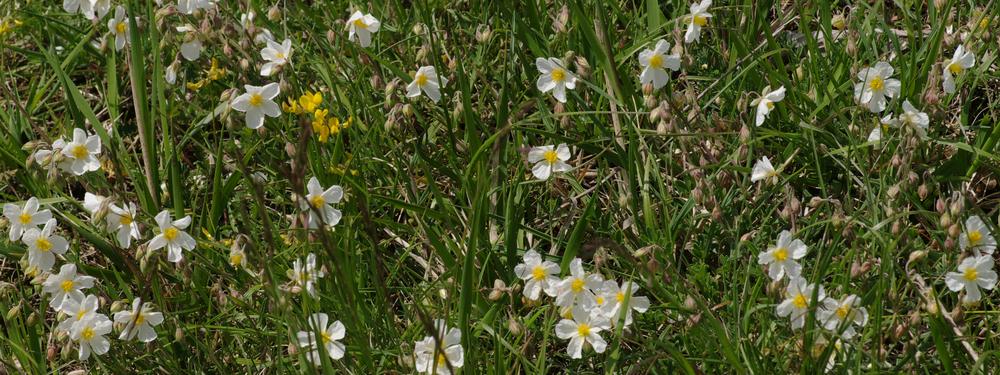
(319, 124)
(310, 101)
(291, 106)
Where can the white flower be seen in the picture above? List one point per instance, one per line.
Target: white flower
(263, 35)
(84, 7)
(121, 220)
(237, 257)
(304, 275)
(913, 118)
(101, 8)
(554, 77)
(548, 159)
(43, 245)
(879, 131)
(766, 102)
(189, 6)
(81, 153)
(977, 237)
(763, 170)
(578, 287)
(89, 334)
(653, 62)
(138, 322)
(172, 236)
(973, 273)
(584, 328)
(191, 48)
(426, 80)
(317, 202)
(611, 298)
(844, 314)
(538, 275)
(698, 18)
(246, 19)
(170, 75)
(361, 27)
(781, 258)
(66, 285)
(875, 86)
(277, 55)
(119, 27)
(24, 218)
(330, 336)
(45, 156)
(92, 202)
(798, 298)
(257, 102)
(959, 62)
(432, 358)
(77, 310)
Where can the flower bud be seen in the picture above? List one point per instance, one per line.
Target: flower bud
(178, 334)
(274, 13)
(945, 220)
(954, 230)
(916, 256)
(514, 326)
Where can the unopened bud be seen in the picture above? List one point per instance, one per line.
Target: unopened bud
(954, 230)
(514, 326)
(274, 13)
(916, 256)
(945, 220)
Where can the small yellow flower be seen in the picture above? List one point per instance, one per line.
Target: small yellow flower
(310, 101)
(336, 126)
(214, 72)
(291, 106)
(195, 86)
(319, 124)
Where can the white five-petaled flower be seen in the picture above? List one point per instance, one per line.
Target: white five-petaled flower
(432, 358)
(77, 310)
(584, 328)
(66, 284)
(139, 322)
(883, 127)
(781, 258)
(959, 62)
(257, 102)
(765, 103)
(554, 77)
(977, 237)
(317, 202)
(361, 27)
(89, 334)
(305, 274)
(578, 287)
(699, 17)
(330, 336)
(426, 79)
(43, 245)
(81, 153)
(654, 63)
(172, 236)
(843, 314)
(798, 298)
(875, 86)
(277, 55)
(191, 48)
(121, 220)
(24, 218)
(119, 27)
(763, 170)
(548, 159)
(914, 119)
(611, 299)
(538, 275)
(973, 273)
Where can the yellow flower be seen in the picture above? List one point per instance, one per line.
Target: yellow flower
(310, 101)
(195, 86)
(336, 126)
(319, 124)
(291, 106)
(214, 72)
(8, 25)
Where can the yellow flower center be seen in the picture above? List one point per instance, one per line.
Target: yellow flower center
(120, 27)
(974, 237)
(955, 68)
(80, 151)
(620, 297)
(780, 254)
(256, 100)
(43, 244)
(87, 334)
(551, 156)
(538, 273)
(843, 311)
(558, 74)
(577, 285)
(441, 360)
(360, 23)
(600, 300)
(25, 218)
(984, 23)
(583, 329)
(769, 104)
(126, 219)
(700, 20)
(421, 79)
(280, 55)
(170, 233)
(656, 61)
(140, 319)
(876, 83)
(317, 201)
(971, 274)
(800, 301)
(325, 337)
(66, 285)
(236, 259)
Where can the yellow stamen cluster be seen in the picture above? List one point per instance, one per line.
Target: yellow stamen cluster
(583, 329)
(800, 301)
(170, 233)
(551, 156)
(538, 273)
(214, 73)
(780, 254)
(876, 83)
(971, 274)
(558, 74)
